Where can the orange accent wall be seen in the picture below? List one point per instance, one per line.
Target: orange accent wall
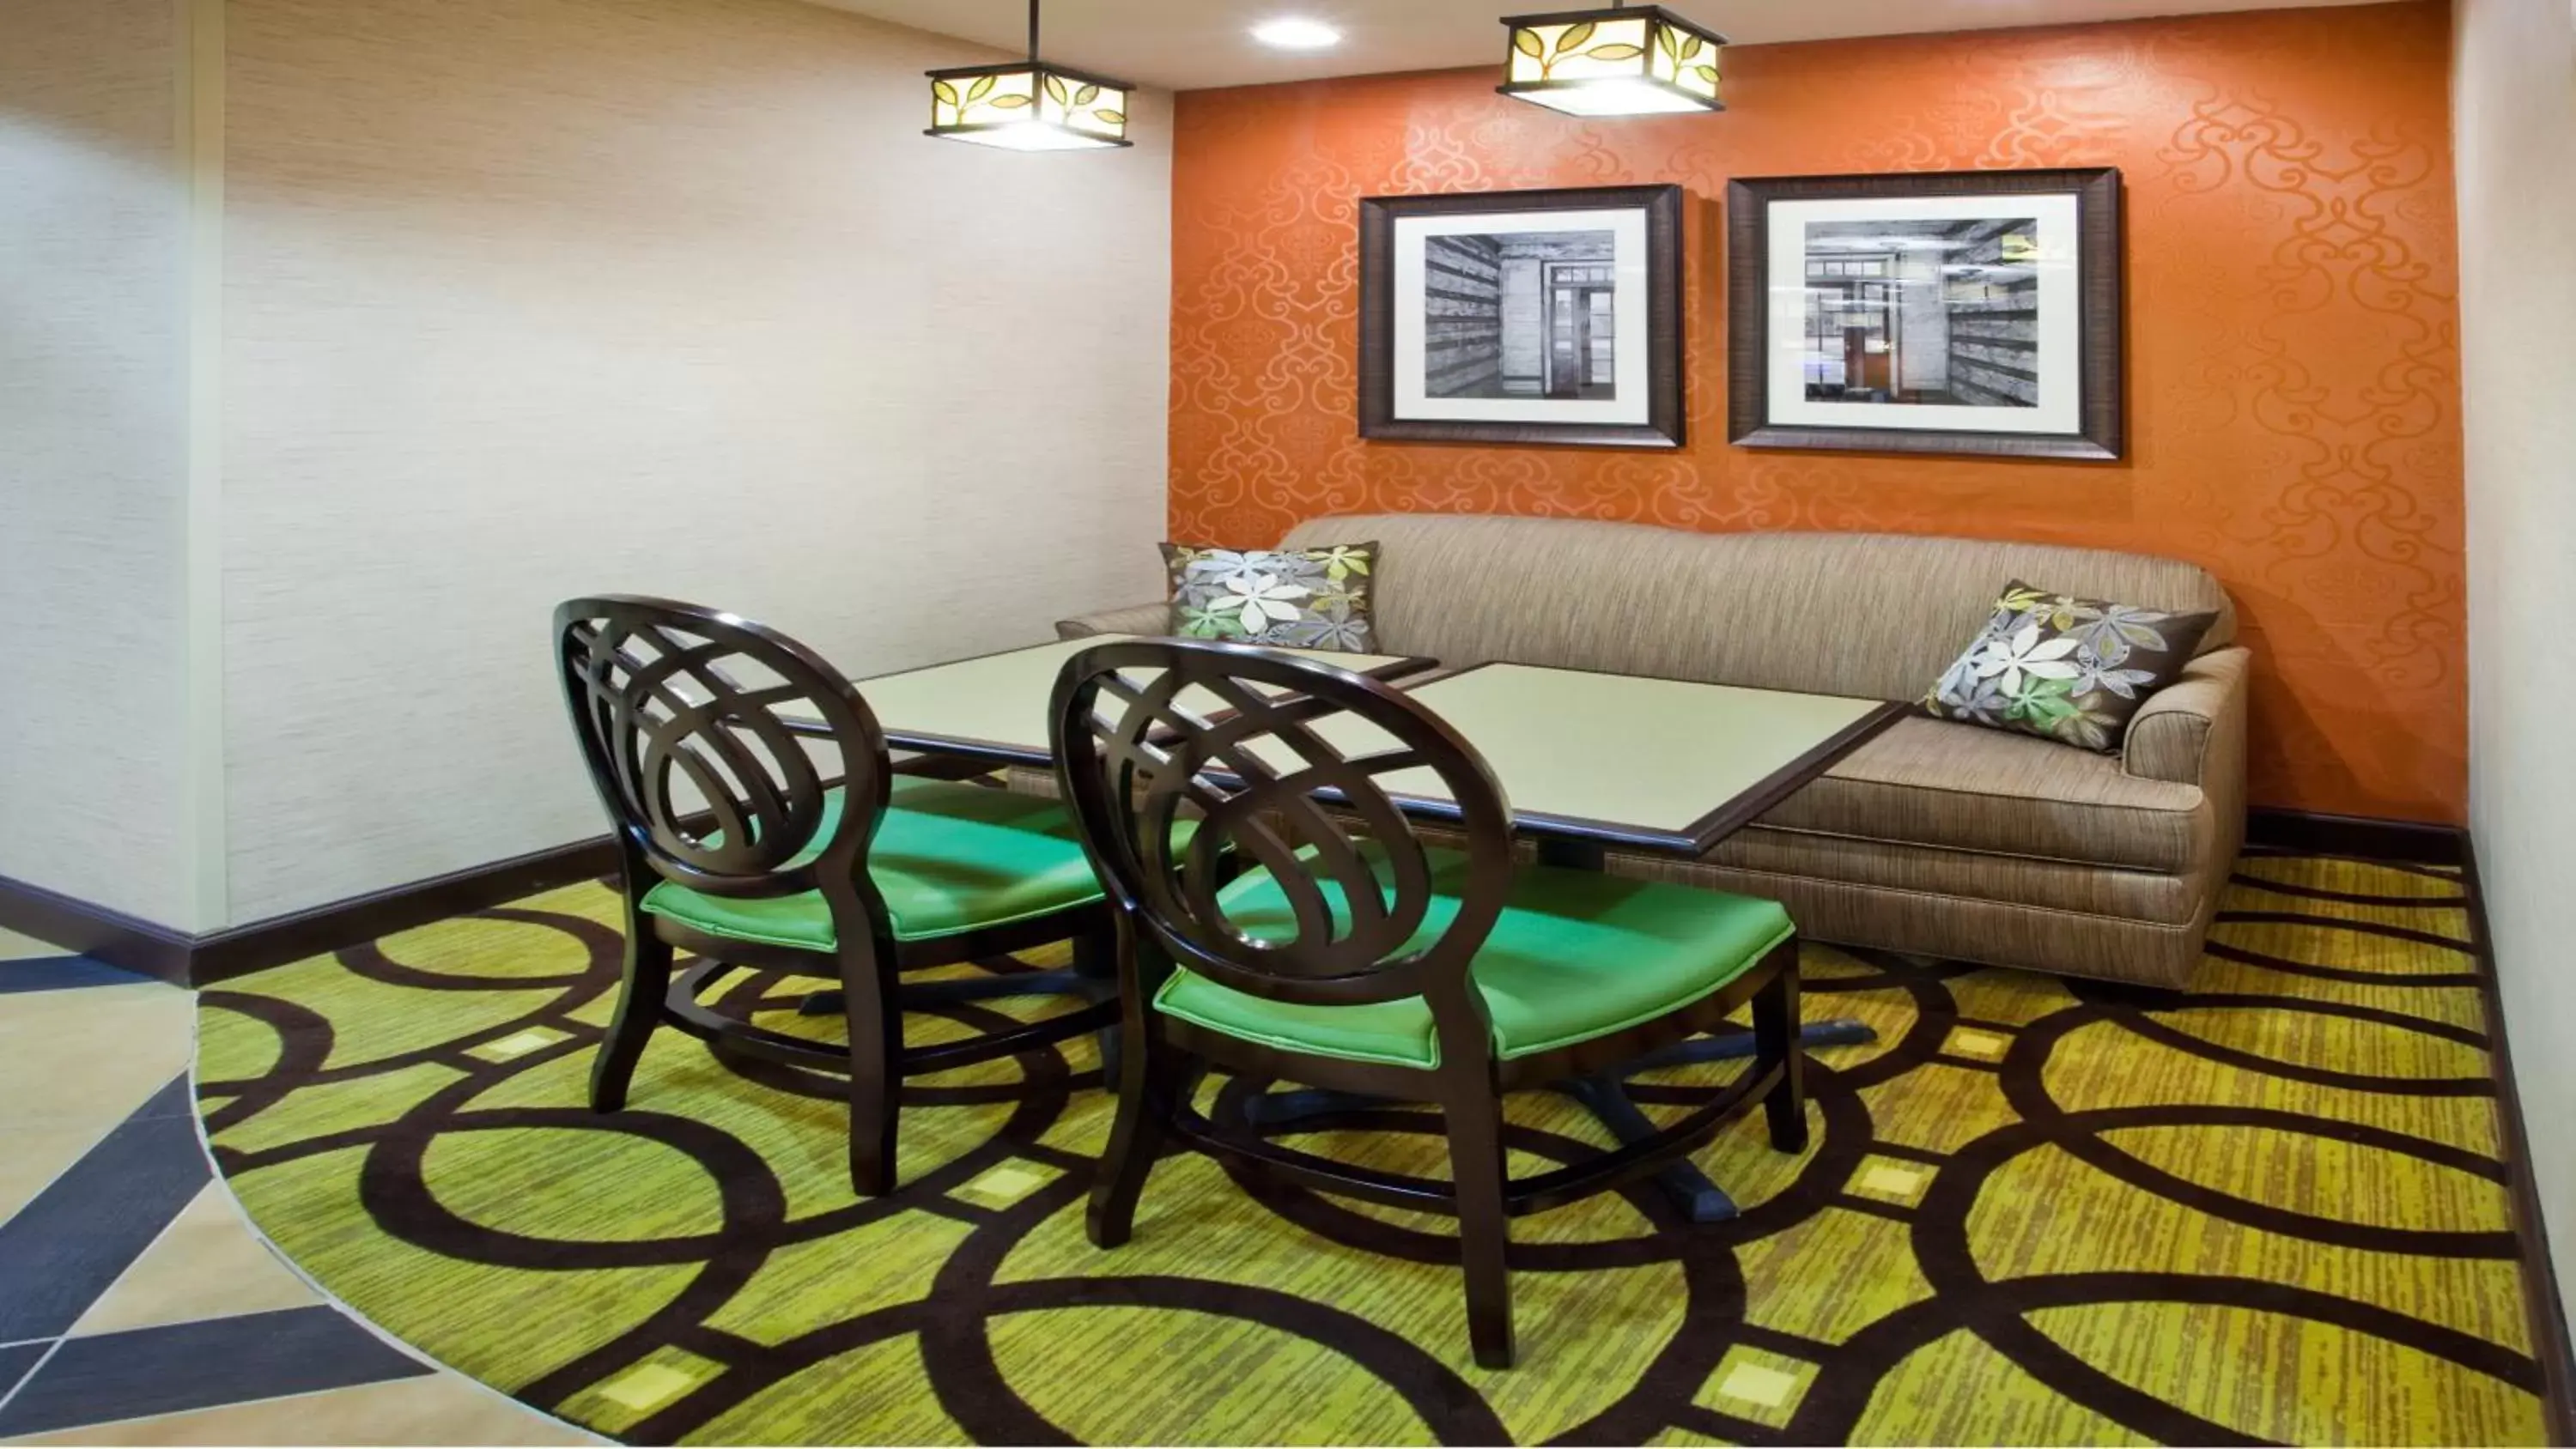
(2294, 374)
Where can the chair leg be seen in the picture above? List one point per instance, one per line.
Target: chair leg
(1775, 1037)
(876, 1072)
(1151, 1077)
(646, 982)
(1484, 1230)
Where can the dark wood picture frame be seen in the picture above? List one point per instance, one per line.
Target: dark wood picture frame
(2101, 291)
(1665, 424)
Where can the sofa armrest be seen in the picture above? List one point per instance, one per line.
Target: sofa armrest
(2194, 724)
(1147, 619)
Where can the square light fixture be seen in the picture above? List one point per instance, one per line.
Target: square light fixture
(1026, 105)
(1639, 60)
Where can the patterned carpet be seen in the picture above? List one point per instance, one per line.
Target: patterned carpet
(2033, 1212)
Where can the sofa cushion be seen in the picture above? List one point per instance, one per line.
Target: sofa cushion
(2067, 669)
(1930, 782)
(1874, 615)
(1300, 598)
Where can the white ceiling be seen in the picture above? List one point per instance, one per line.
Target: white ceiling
(1190, 44)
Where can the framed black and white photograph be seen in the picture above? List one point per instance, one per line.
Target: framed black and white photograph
(1969, 312)
(1523, 317)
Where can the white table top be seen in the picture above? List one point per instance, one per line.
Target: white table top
(1658, 764)
(995, 706)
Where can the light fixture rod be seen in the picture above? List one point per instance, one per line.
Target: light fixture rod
(1033, 29)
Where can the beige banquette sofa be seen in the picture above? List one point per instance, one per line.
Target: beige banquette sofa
(1935, 839)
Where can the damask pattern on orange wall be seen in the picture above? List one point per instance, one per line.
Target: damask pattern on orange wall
(2294, 373)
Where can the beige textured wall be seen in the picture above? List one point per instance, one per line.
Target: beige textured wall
(527, 298)
(93, 229)
(2515, 94)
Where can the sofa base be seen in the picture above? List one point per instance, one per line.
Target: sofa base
(1988, 932)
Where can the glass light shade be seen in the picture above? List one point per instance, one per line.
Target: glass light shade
(1028, 107)
(1641, 60)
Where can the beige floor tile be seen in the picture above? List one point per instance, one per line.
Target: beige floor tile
(32, 1157)
(438, 1410)
(15, 947)
(207, 1265)
(90, 1057)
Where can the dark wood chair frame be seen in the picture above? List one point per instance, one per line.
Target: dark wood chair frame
(1132, 763)
(654, 702)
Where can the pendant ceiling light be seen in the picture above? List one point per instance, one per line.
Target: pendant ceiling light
(1028, 105)
(1623, 61)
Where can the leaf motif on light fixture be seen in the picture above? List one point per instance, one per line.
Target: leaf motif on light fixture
(1614, 52)
(1695, 47)
(1528, 43)
(1574, 37)
(1027, 106)
(1707, 73)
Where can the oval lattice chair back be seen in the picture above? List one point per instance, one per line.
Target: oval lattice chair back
(684, 715)
(1185, 761)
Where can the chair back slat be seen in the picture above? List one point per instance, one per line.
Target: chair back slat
(683, 714)
(1261, 780)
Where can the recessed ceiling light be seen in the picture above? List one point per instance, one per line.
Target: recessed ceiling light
(1296, 34)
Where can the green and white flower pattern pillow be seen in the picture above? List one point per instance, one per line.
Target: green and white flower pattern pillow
(1305, 598)
(2066, 669)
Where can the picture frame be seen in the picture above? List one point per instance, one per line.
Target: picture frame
(1980, 313)
(1523, 317)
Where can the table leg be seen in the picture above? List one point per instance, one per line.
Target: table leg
(1273, 1109)
(1606, 1096)
(966, 988)
(1737, 1045)
(1700, 1200)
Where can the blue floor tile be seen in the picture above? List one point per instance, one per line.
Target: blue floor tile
(202, 1365)
(65, 1248)
(15, 1360)
(63, 973)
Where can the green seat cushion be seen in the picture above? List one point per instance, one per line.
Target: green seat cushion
(948, 858)
(1575, 955)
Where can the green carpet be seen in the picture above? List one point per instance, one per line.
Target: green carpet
(2033, 1212)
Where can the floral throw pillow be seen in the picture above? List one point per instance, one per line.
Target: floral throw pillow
(2066, 669)
(1299, 598)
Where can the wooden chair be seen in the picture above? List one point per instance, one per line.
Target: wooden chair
(1340, 951)
(760, 824)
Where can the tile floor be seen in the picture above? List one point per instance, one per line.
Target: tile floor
(137, 1306)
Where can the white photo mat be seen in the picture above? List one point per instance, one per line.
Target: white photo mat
(1413, 402)
(2060, 365)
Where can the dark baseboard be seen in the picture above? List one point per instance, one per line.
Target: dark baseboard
(83, 929)
(154, 950)
(2353, 835)
(138, 945)
(240, 950)
(2550, 1341)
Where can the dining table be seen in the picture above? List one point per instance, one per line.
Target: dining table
(1589, 762)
